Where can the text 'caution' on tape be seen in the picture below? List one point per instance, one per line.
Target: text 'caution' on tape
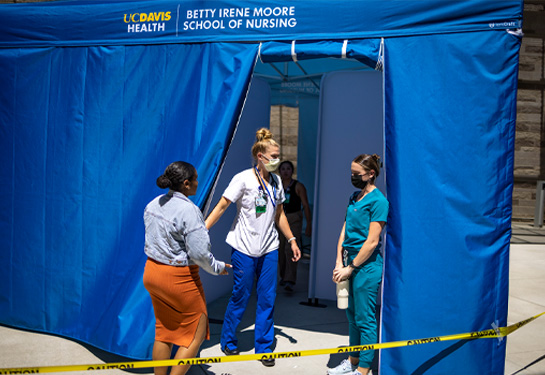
(497, 332)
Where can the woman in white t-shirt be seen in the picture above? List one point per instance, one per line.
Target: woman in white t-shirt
(259, 196)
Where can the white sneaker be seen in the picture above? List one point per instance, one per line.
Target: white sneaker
(345, 368)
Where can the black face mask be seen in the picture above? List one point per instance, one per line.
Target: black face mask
(358, 182)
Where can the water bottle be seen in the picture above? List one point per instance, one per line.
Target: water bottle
(342, 294)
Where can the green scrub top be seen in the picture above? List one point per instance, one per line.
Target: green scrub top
(359, 215)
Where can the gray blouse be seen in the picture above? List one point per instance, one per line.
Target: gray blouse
(176, 234)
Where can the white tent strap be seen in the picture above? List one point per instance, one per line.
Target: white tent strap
(177, 18)
(259, 51)
(345, 46)
(380, 60)
(293, 54)
(515, 32)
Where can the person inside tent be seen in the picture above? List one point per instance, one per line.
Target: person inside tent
(296, 196)
(259, 196)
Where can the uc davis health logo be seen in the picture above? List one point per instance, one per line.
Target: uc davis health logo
(146, 22)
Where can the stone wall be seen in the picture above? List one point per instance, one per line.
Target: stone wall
(530, 131)
(285, 128)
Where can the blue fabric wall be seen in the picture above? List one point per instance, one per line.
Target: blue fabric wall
(85, 132)
(450, 122)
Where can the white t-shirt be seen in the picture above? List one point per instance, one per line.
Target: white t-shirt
(253, 233)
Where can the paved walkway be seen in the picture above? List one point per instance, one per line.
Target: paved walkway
(527, 234)
(526, 298)
(304, 327)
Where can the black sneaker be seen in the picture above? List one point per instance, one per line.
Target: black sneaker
(289, 286)
(228, 351)
(268, 362)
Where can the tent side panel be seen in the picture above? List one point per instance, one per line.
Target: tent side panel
(85, 133)
(450, 125)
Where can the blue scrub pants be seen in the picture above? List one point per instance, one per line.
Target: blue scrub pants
(245, 269)
(362, 301)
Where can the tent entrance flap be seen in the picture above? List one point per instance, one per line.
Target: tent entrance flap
(295, 69)
(84, 134)
(363, 50)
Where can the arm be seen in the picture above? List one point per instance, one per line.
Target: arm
(302, 193)
(197, 243)
(217, 212)
(282, 223)
(375, 227)
(339, 260)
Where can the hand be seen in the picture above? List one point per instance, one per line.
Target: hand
(224, 272)
(308, 231)
(339, 263)
(296, 251)
(340, 274)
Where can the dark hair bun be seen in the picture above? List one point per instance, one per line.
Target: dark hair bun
(175, 174)
(163, 182)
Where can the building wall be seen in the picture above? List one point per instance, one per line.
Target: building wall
(285, 128)
(530, 131)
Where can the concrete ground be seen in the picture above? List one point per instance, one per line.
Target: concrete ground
(526, 299)
(301, 327)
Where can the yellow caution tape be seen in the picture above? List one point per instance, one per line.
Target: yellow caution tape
(489, 333)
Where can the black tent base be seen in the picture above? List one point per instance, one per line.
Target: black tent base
(313, 303)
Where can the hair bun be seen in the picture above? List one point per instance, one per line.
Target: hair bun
(163, 182)
(263, 134)
(377, 160)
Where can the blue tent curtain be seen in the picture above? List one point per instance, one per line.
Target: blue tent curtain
(85, 132)
(449, 169)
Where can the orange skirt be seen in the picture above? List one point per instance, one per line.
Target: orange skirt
(178, 301)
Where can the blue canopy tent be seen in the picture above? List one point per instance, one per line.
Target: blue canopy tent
(98, 97)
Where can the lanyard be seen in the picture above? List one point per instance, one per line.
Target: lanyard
(262, 183)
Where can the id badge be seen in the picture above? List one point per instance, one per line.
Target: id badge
(260, 204)
(287, 195)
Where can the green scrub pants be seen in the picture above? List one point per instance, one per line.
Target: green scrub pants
(362, 301)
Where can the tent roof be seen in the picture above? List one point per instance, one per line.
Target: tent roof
(77, 23)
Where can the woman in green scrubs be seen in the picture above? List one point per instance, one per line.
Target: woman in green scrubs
(360, 261)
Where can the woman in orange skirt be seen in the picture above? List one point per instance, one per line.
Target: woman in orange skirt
(177, 245)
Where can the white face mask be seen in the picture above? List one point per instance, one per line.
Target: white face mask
(272, 165)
